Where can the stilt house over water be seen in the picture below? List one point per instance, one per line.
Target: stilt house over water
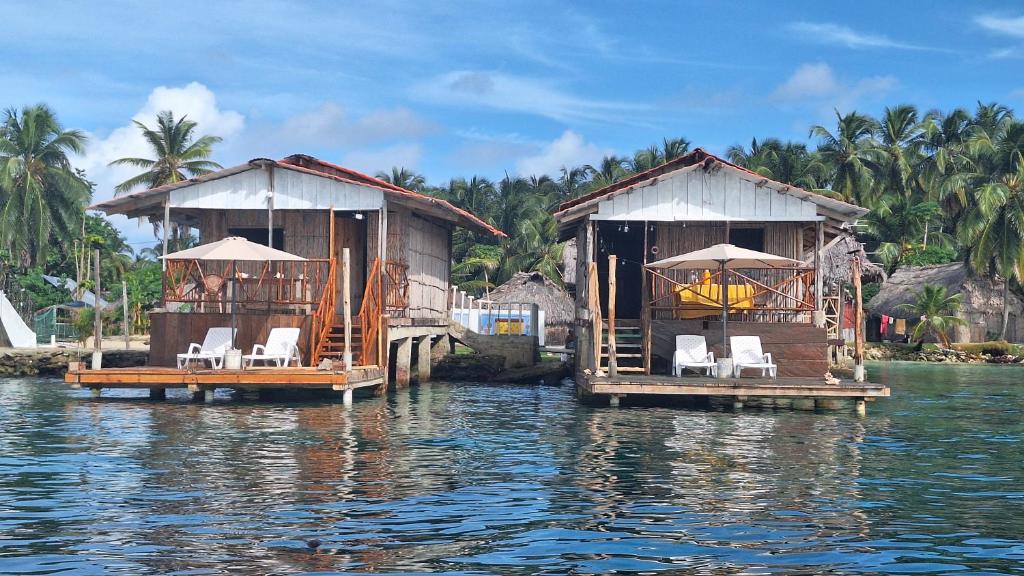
(687, 204)
(399, 243)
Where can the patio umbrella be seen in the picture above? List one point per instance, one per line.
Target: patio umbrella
(724, 257)
(234, 249)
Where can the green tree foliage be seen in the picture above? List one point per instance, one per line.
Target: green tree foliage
(937, 312)
(42, 198)
(178, 154)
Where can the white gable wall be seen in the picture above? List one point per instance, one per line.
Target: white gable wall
(293, 190)
(698, 196)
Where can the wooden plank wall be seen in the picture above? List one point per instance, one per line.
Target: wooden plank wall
(171, 332)
(305, 231)
(429, 267)
(798, 349)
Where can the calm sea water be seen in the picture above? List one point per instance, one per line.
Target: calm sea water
(477, 479)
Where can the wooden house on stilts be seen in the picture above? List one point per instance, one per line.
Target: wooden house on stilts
(398, 241)
(691, 203)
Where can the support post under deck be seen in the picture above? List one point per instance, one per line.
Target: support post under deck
(423, 359)
(403, 363)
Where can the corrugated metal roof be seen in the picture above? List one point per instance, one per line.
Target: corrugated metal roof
(309, 165)
(575, 208)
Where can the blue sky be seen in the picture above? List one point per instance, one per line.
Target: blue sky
(488, 88)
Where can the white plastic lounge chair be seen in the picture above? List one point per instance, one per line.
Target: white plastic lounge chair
(281, 348)
(746, 353)
(692, 352)
(216, 342)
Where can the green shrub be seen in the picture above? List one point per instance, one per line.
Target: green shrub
(994, 348)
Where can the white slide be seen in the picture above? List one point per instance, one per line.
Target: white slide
(16, 333)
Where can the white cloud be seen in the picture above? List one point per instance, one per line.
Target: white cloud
(193, 100)
(329, 125)
(818, 84)
(1005, 25)
(521, 94)
(829, 33)
(568, 150)
(383, 159)
(809, 80)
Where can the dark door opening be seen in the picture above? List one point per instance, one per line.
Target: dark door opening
(626, 241)
(749, 238)
(259, 236)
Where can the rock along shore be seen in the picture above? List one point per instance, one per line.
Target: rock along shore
(54, 361)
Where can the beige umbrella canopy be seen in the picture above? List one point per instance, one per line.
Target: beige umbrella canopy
(234, 248)
(725, 257)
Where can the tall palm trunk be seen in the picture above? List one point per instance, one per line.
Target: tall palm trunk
(1006, 309)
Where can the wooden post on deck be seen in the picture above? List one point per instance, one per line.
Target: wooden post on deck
(858, 322)
(124, 314)
(613, 364)
(97, 336)
(819, 242)
(346, 303)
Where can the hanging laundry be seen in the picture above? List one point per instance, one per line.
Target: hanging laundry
(884, 325)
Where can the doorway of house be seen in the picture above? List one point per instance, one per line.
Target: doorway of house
(350, 232)
(626, 241)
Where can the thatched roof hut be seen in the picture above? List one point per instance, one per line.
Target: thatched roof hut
(837, 261)
(534, 288)
(982, 299)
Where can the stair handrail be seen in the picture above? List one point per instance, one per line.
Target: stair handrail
(323, 318)
(370, 311)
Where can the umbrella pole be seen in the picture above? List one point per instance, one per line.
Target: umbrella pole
(725, 310)
(234, 299)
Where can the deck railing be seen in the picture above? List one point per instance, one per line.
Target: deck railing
(773, 295)
(214, 286)
(370, 317)
(323, 318)
(396, 288)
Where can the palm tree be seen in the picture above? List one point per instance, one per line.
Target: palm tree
(672, 148)
(788, 162)
(937, 311)
(573, 182)
(993, 228)
(609, 171)
(179, 155)
(851, 154)
(42, 198)
(404, 178)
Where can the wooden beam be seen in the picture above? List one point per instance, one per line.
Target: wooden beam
(858, 322)
(613, 367)
(819, 241)
(346, 303)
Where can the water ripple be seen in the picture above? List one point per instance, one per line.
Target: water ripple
(464, 479)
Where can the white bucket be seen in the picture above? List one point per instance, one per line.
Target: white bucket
(725, 368)
(233, 360)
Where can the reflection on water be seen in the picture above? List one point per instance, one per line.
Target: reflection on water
(481, 479)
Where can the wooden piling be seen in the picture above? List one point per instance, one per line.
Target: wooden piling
(403, 363)
(423, 359)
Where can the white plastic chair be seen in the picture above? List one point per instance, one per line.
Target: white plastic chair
(216, 342)
(692, 352)
(281, 348)
(746, 353)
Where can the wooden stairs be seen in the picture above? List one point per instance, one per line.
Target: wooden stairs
(628, 347)
(333, 346)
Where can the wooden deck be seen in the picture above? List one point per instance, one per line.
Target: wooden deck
(805, 389)
(155, 377)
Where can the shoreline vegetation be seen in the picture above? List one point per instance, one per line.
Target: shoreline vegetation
(976, 353)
